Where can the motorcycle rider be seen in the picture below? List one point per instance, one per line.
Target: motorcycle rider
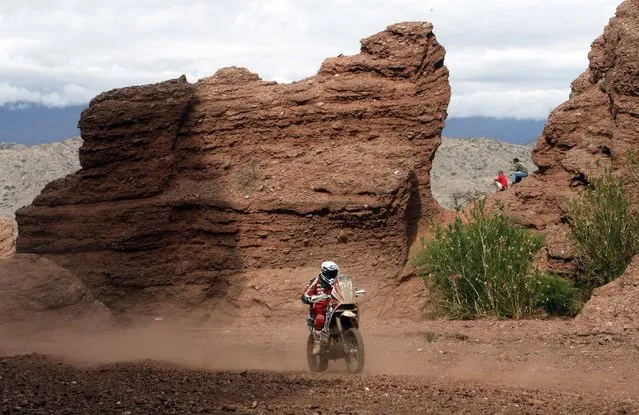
(320, 285)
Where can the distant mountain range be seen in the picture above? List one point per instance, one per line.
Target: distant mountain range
(509, 130)
(36, 125)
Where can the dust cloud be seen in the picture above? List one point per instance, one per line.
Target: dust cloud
(526, 355)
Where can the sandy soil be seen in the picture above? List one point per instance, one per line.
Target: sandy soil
(426, 367)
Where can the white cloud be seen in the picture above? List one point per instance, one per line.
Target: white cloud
(521, 53)
(521, 104)
(65, 95)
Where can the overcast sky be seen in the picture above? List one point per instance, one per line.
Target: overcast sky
(507, 58)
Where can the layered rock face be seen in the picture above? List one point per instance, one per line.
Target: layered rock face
(592, 131)
(201, 192)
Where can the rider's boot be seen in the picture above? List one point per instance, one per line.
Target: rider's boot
(317, 345)
(321, 340)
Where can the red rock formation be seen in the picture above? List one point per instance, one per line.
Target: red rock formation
(591, 131)
(190, 193)
(7, 238)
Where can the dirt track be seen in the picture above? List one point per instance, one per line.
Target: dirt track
(430, 367)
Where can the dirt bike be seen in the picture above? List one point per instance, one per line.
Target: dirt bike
(342, 328)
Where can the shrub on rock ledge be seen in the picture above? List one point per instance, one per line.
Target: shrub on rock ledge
(605, 231)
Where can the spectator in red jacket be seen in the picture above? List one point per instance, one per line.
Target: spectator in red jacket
(501, 182)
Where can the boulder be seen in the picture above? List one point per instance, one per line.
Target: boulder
(37, 294)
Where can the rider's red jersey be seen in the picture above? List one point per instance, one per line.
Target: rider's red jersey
(315, 288)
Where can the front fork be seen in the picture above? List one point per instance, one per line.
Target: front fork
(347, 347)
(324, 334)
(341, 333)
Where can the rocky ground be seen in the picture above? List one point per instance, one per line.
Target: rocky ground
(464, 168)
(25, 170)
(481, 367)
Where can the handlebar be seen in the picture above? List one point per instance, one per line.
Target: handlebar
(321, 297)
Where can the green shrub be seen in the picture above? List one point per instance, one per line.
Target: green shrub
(558, 296)
(632, 161)
(482, 268)
(605, 231)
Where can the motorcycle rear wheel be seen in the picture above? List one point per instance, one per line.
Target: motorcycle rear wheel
(354, 355)
(316, 363)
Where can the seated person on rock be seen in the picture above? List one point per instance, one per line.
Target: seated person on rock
(520, 171)
(501, 183)
(320, 285)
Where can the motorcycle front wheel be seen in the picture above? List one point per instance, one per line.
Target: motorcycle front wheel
(353, 350)
(316, 363)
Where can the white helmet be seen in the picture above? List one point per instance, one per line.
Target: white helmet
(329, 271)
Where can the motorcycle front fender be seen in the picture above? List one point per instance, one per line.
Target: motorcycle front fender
(335, 315)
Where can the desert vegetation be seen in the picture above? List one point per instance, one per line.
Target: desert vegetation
(605, 230)
(485, 267)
